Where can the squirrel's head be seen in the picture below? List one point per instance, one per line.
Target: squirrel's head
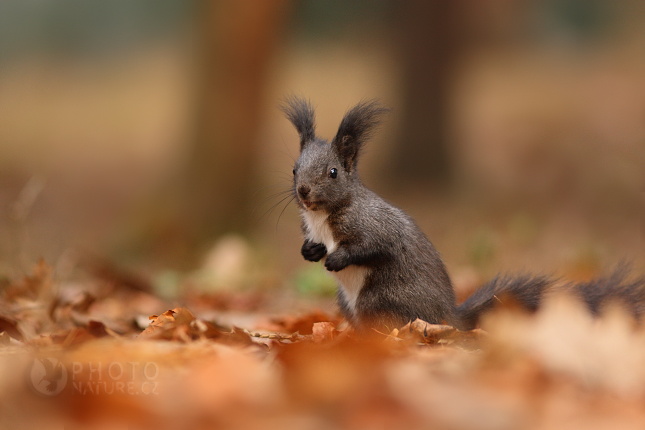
(325, 173)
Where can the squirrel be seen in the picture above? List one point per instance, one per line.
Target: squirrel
(388, 272)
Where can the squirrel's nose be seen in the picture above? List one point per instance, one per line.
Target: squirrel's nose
(303, 190)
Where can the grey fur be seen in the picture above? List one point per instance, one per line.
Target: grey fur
(406, 278)
(301, 114)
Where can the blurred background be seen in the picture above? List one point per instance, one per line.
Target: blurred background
(143, 137)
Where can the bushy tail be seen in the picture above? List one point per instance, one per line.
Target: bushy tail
(616, 288)
(528, 291)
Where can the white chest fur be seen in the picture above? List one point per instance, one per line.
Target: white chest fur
(351, 278)
(318, 230)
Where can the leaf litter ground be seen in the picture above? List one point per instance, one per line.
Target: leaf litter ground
(109, 354)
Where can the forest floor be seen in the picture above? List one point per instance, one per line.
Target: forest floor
(107, 353)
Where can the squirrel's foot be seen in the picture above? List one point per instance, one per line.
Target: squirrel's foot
(313, 251)
(337, 261)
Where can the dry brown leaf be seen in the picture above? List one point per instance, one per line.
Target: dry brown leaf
(75, 336)
(207, 329)
(238, 336)
(302, 324)
(5, 339)
(422, 331)
(181, 324)
(97, 329)
(565, 338)
(324, 331)
(32, 287)
(165, 326)
(10, 326)
(425, 331)
(229, 380)
(83, 302)
(330, 374)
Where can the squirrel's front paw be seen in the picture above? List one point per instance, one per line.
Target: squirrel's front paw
(313, 251)
(337, 261)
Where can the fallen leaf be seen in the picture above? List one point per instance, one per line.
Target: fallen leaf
(5, 339)
(324, 331)
(10, 327)
(425, 331)
(32, 287)
(302, 324)
(165, 326)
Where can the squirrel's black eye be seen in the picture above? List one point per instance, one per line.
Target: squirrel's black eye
(294, 172)
(333, 173)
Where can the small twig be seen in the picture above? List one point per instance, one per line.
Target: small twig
(294, 337)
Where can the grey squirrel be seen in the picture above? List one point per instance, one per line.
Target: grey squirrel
(388, 272)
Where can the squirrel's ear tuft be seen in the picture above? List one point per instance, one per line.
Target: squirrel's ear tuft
(355, 129)
(301, 115)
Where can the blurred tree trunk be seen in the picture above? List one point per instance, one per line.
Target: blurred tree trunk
(429, 42)
(433, 36)
(236, 42)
